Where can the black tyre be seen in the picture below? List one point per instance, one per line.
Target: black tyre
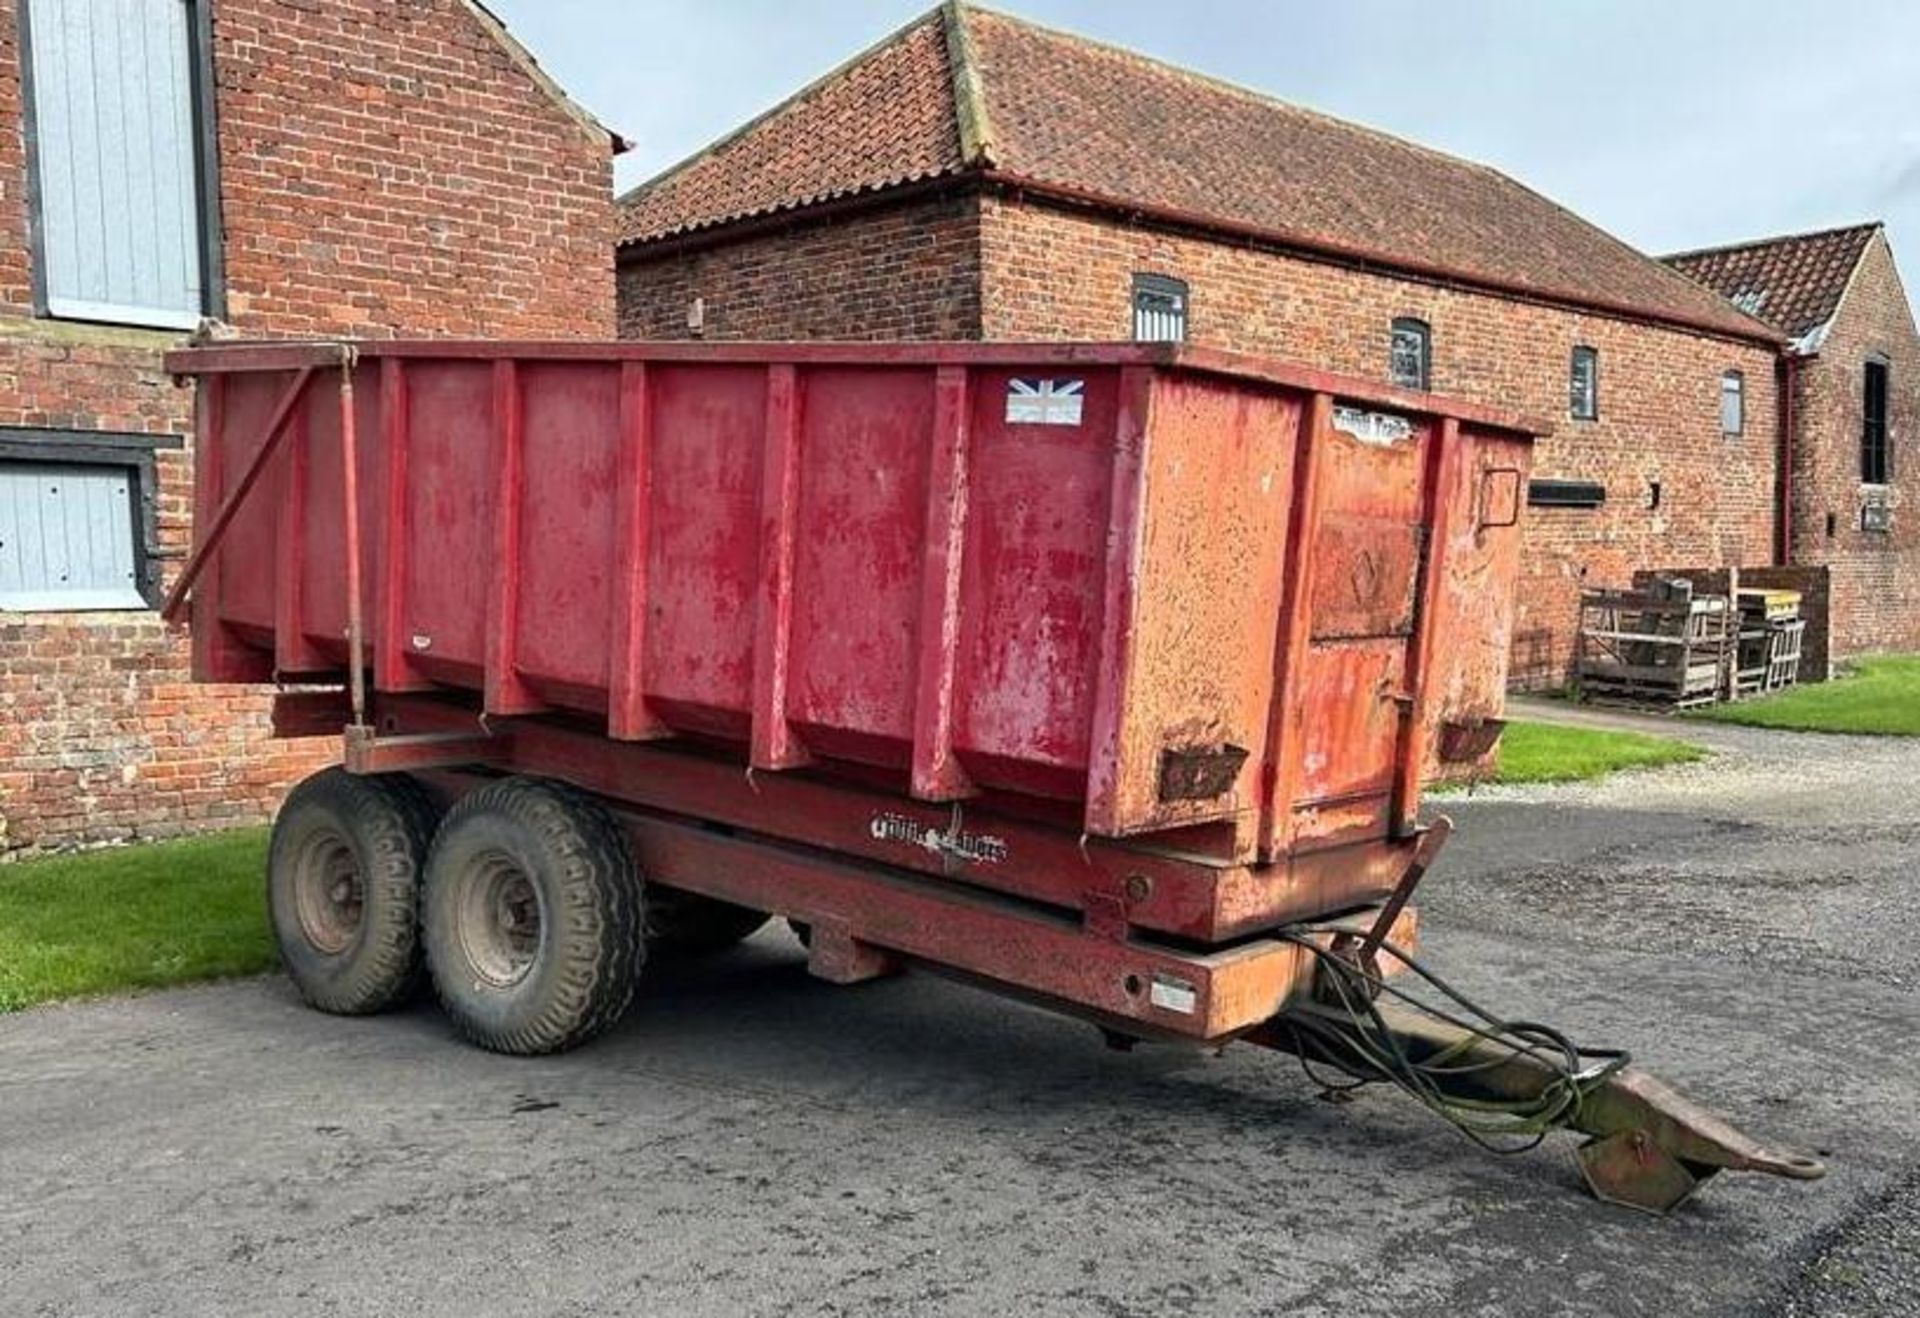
(533, 917)
(693, 925)
(343, 888)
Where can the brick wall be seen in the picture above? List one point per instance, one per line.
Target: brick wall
(1051, 273)
(897, 272)
(1000, 268)
(386, 166)
(1875, 576)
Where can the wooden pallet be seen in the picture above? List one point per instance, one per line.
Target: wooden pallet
(1660, 648)
(1783, 659)
(1767, 656)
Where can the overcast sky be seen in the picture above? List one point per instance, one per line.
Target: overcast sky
(1672, 123)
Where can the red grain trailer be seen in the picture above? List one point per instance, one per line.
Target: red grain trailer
(1105, 676)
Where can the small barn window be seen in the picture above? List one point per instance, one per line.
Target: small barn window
(1583, 385)
(68, 538)
(1159, 309)
(1733, 403)
(1410, 355)
(1875, 468)
(119, 160)
(76, 519)
(1547, 493)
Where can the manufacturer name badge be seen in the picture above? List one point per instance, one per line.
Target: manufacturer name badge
(1382, 429)
(1045, 402)
(977, 848)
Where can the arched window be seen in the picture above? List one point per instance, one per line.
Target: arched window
(1411, 354)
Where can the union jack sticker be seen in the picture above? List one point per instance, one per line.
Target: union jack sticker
(1045, 402)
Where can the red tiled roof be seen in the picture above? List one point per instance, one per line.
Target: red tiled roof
(885, 117)
(968, 91)
(1793, 282)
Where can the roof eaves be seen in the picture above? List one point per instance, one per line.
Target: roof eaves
(524, 59)
(796, 207)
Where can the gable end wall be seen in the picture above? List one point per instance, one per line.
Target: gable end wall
(1875, 576)
(904, 270)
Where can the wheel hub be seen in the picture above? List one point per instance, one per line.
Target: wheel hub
(500, 922)
(330, 895)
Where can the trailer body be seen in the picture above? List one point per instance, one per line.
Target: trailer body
(1163, 588)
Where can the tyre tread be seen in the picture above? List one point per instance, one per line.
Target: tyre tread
(600, 905)
(396, 816)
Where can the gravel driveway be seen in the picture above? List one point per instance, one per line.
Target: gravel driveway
(752, 1142)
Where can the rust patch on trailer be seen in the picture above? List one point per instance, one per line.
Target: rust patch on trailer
(1363, 582)
(1468, 739)
(1199, 773)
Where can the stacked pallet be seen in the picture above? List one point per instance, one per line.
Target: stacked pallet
(1658, 647)
(1767, 657)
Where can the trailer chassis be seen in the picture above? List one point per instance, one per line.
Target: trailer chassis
(1023, 908)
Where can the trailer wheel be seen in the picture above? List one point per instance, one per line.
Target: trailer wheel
(696, 925)
(343, 887)
(533, 915)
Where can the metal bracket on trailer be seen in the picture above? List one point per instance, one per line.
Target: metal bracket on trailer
(369, 752)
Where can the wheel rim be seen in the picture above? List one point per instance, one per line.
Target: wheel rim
(500, 921)
(330, 894)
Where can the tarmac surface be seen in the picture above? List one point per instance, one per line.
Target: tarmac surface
(750, 1141)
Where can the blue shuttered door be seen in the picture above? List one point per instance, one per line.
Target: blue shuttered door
(66, 537)
(113, 124)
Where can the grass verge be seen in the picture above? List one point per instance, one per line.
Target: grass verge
(176, 912)
(1557, 753)
(133, 917)
(1876, 697)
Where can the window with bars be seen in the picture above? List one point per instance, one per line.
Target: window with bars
(119, 161)
(1583, 385)
(1875, 466)
(1733, 404)
(1159, 309)
(1410, 354)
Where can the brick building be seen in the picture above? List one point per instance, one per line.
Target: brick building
(1855, 360)
(294, 167)
(974, 175)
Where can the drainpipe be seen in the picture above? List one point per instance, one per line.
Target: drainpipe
(1783, 519)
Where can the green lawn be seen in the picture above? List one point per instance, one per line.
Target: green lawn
(1556, 753)
(1877, 696)
(134, 917)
